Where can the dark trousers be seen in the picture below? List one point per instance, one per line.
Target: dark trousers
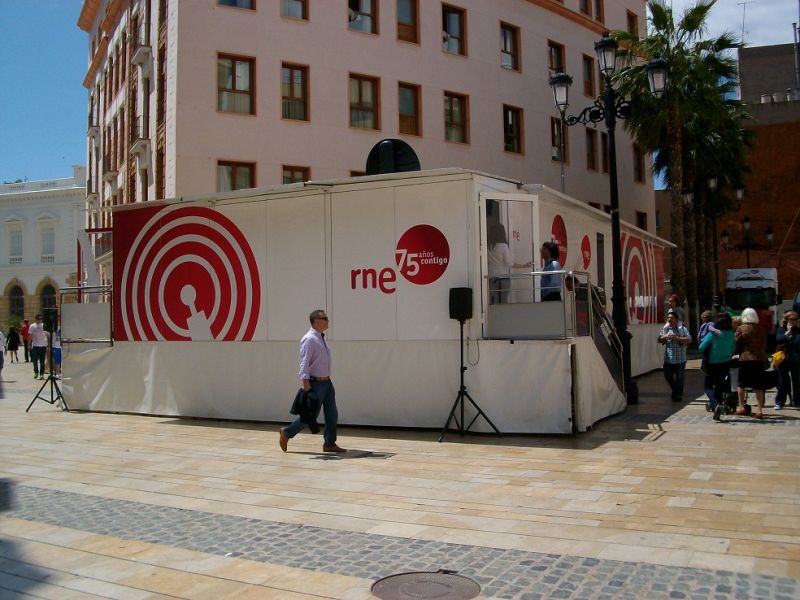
(674, 376)
(788, 383)
(327, 395)
(717, 382)
(38, 354)
(27, 353)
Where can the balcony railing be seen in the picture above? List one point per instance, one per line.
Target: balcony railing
(143, 52)
(141, 136)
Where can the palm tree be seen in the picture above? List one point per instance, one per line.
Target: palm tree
(675, 127)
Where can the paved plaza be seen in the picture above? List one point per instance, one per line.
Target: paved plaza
(658, 502)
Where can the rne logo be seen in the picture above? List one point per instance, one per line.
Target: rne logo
(422, 256)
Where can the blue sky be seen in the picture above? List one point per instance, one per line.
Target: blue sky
(44, 60)
(42, 98)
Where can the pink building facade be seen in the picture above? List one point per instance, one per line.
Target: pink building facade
(189, 97)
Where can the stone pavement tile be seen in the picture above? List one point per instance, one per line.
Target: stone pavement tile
(710, 560)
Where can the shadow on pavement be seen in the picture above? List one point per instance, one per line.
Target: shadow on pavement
(17, 577)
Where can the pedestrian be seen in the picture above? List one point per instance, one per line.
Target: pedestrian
(720, 346)
(55, 353)
(26, 338)
(38, 346)
(551, 284)
(500, 264)
(675, 338)
(751, 346)
(674, 303)
(787, 337)
(13, 344)
(2, 354)
(315, 374)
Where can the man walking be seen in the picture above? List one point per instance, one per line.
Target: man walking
(675, 338)
(26, 338)
(38, 341)
(315, 373)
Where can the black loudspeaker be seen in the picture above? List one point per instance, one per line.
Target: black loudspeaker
(461, 303)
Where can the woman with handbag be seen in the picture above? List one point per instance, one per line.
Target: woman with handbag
(787, 336)
(719, 347)
(751, 346)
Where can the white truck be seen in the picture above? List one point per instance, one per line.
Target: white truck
(211, 295)
(755, 288)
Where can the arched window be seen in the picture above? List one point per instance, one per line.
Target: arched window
(48, 297)
(16, 302)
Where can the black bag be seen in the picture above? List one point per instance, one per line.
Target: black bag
(769, 379)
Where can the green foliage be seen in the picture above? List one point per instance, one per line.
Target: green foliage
(13, 321)
(701, 78)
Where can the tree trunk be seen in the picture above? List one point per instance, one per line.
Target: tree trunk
(675, 144)
(690, 252)
(703, 244)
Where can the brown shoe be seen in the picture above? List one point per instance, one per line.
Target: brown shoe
(333, 448)
(283, 440)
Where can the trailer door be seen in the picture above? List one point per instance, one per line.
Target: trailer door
(515, 214)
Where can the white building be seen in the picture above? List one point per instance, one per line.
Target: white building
(196, 96)
(40, 222)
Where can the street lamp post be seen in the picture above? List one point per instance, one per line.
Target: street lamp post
(748, 243)
(608, 109)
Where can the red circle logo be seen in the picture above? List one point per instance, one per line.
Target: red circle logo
(586, 252)
(558, 231)
(422, 254)
(190, 274)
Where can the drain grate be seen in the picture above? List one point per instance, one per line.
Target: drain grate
(439, 585)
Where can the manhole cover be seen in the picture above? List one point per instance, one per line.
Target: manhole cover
(423, 585)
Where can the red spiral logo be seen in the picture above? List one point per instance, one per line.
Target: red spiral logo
(189, 275)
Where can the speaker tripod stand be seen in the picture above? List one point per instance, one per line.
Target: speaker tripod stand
(459, 402)
(55, 391)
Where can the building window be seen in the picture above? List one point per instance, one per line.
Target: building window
(47, 297)
(641, 220)
(633, 23)
(658, 219)
(234, 84)
(604, 151)
(296, 9)
(586, 7)
(591, 149)
(408, 21)
(357, 173)
(638, 164)
(15, 245)
(237, 3)
(455, 118)
(293, 174)
(235, 176)
(454, 32)
(294, 92)
(512, 129)
(47, 243)
(364, 93)
(408, 103)
(599, 10)
(509, 46)
(588, 76)
(362, 15)
(16, 302)
(555, 57)
(556, 129)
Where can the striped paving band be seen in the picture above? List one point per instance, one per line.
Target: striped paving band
(511, 574)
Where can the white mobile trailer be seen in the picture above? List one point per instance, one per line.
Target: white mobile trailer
(211, 295)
